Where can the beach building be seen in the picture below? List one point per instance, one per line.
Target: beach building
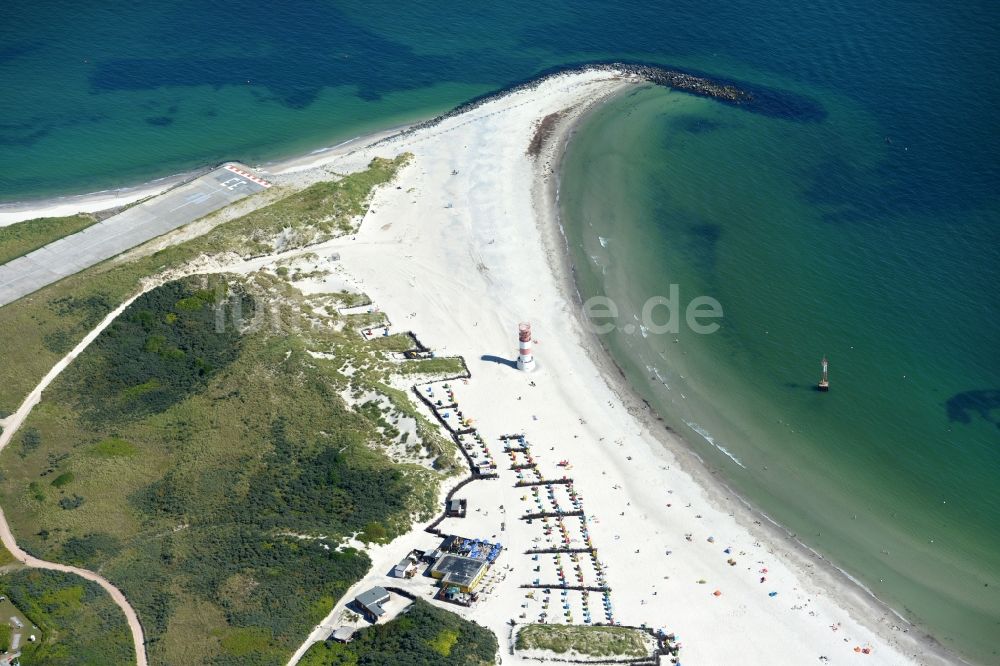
(478, 549)
(456, 508)
(485, 468)
(404, 569)
(342, 634)
(370, 603)
(460, 565)
(459, 571)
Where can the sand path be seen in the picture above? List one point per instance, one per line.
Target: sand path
(10, 426)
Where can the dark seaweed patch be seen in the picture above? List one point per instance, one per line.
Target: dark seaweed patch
(962, 406)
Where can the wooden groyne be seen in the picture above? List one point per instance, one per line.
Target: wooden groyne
(552, 514)
(553, 551)
(547, 482)
(579, 588)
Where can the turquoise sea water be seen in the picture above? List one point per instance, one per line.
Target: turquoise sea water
(893, 474)
(816, 234)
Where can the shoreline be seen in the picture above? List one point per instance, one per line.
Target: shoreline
(92, 202)
(850, 592)
(112, 199)
(763, 100)
(525, 271)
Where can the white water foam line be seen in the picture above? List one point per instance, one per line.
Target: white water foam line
(711, 440)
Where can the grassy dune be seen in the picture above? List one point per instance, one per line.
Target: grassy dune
(21, 238)
(77, 622)
(48, 323)
(591, 641)
(197, 468)
(213, 472)
(423, 636)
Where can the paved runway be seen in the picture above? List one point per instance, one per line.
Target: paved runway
(124, 231)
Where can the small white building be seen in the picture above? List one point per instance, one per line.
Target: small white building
(342, 634)
(404, 569)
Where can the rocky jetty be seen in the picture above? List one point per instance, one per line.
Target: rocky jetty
(696, 85)
(671, 78)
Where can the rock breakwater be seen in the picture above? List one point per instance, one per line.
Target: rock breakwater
(759, 100)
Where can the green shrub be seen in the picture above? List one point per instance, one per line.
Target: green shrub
(31, 439)
(78, 623)
(63, 479)
(112, 447)
(422, 635)
(146, 364)
(69, 503)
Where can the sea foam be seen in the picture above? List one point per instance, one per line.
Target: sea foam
(711, 440)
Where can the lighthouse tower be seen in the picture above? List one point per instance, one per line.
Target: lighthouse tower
(824, 384)
(525, 361)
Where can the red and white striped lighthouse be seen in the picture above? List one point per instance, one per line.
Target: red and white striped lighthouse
(525, 361)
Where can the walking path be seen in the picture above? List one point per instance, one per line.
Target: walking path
(10, 426)
(116, 595)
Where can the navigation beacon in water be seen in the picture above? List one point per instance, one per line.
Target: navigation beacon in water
(824, 384)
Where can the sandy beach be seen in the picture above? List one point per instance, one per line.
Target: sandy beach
(464, 245)
(94, 202)
(463, 248)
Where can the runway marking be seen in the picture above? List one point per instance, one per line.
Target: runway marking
(233, 183)
(248, 176)
(198, 199)
(119, 233)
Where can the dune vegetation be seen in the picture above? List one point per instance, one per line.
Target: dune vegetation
(422, 636)
(77, 622)
(587, 641)
(212, 471)
(49, 322)
(19, 239)
(221, 449)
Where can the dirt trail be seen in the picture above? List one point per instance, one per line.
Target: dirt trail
(116, 595)
(10, 427)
